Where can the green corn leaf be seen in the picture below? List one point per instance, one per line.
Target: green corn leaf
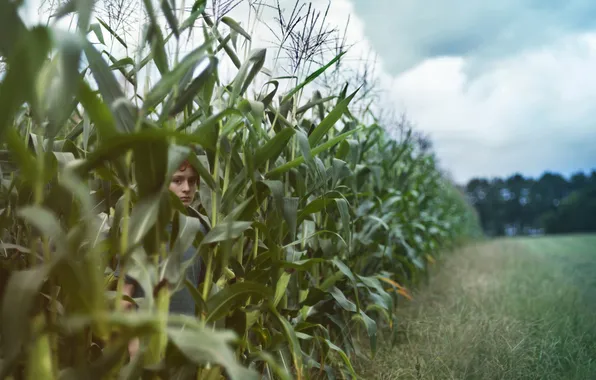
(344, 92)
(61, 103)
(229, 51)
(247, 73)
(313, 103)
(314, 296)
(208, 132)
(382, 310)
(329, 121)
(170, 17)
(199, 6)
(110, 90)
(18, 84)
(351, 147)
(73, 183)
(371, 329)
(12, 28)
(344, 212)
(305, 149)
(315, 168)
(338, 172)
(342, 301)
(292, 340)
(301, 265)
(189, 227)
(117, 145)
(45, 222)
(344, 269)
(176, 155)
(290, 213)
(235, 26)
(278, 370)
(208, 123)
(98, 112)
(190, 20)
(112, 32)
(269, 97)
(151, 166)
(197, 85)
(224, 301)
(140, 323)
(273, 148)
(226, 231)
(21, 290)
(312, 77)
(332, 346)
(65, 9)
(254, 110)
(144, 273)
(121, 63)
(317, 205)
(279, 118)
(343, 356)
(22, 156)
(213, 348)
(82, 8)
(238, 211)
(374, 283)
(280, 288)
(170, 79)
(200, 305)
(96, 29)
(23, 286)
(155, 38)
(275, 173)
(204, 174)
(232, 124)
(143, 217)
(237, 322)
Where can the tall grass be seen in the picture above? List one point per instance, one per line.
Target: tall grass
(316, 220)
(486, 315)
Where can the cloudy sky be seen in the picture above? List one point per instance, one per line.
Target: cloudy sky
(501, 87)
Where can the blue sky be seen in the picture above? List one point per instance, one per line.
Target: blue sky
(500, 86)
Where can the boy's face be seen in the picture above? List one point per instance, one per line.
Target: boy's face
(184, 183)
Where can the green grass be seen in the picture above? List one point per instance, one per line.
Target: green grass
(507, 309)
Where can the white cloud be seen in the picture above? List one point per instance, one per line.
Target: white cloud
(523, 108)
(409, 31)
(527, 112)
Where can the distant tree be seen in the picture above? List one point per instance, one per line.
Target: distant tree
(521, 205)
(579, 180)
(576, 213)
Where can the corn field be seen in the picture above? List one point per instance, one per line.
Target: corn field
(317, 220)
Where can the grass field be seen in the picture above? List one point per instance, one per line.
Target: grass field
(508, 309)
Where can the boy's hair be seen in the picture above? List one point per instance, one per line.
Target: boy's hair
(184, 165)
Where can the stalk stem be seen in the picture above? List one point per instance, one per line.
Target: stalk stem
(209, 269)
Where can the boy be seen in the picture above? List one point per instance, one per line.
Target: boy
(184, 184)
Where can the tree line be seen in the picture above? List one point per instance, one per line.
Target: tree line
(551, 204)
